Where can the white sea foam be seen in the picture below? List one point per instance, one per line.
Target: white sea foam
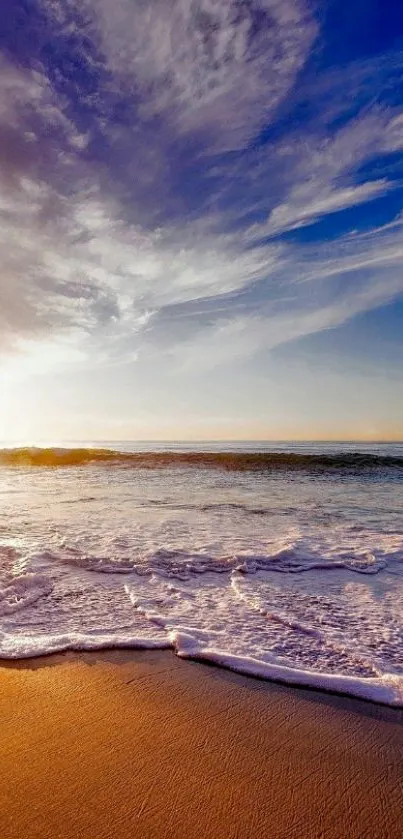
(17, 593)
(297, 580)
(386, 689)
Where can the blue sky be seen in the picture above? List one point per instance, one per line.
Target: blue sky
(201, 219)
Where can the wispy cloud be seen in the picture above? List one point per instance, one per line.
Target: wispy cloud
(325, 167)
(138, 209)
(308, 203)
(215, 67)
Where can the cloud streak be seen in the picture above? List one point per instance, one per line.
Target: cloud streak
(142, 209)
(215, 67)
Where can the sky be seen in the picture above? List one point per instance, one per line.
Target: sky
(201, 219)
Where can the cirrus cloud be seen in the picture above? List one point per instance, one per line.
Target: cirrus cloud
(139, 208)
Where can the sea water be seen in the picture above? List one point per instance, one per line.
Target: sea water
(278, 560)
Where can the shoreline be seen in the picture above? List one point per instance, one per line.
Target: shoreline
(385, 691)
(127, 743)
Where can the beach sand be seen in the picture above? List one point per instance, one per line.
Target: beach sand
(141, 744)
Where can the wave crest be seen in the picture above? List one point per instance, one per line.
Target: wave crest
(236, 461)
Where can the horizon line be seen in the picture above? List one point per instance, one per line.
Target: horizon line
(93, 440)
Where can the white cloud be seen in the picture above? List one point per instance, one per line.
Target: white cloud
(208, 66)
(323, 171)
(109, 283)
(27, 94)
(77, 261)
(88, 270)
(393, 139)
(302, 208)
(321, 287)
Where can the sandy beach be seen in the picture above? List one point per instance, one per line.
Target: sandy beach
(124, 744)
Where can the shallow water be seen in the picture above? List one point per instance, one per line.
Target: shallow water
(283, 568)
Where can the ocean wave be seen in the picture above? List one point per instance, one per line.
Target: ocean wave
(187, 565)
(235, 461)
(306, 633)
(384, 689)
(20, 592)
(309, 590)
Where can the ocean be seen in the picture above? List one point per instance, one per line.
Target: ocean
(283, 561)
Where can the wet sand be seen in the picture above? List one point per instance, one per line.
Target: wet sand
(141, 744)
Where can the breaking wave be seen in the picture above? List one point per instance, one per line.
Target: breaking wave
(286, 565)
(235, 461)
